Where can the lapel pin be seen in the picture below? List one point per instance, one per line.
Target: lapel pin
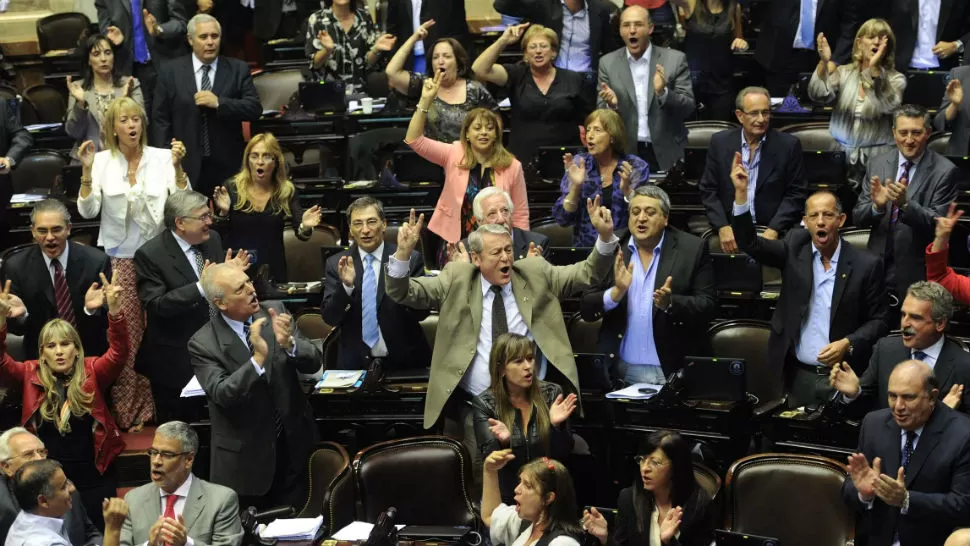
(843, 275)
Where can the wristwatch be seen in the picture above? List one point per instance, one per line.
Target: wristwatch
(959, 44)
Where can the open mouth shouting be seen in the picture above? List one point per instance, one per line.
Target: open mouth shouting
(822, 236)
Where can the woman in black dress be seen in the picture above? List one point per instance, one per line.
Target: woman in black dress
(253, 208)
(713, 34)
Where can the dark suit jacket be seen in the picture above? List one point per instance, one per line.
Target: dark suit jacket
(959, 143)
(858, 300)
(937, 478)
(953, 25)
(696, 527)
(780, 190)
(173, 305)
(930, 192)
(406, 345)
(242, 403)
(268, 14)
(79, 528)
(952, 367)
(449, 22)
(14, 139)
(520, 242)
(176, 115)
(30, 279)
(172, 17)
(604, 35)
(685, 258)
(837, 19)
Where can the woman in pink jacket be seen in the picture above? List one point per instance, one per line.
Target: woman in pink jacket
(476, 161)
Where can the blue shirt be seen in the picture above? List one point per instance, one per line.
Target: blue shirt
(752, 162)
(139, 33)
(33, 530)
(574, 51)
(638, 346)
(814, 333)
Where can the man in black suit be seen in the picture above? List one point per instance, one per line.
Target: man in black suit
(36, 273)
(901, 213)
(493, 205)
(18, 447)
(935, 42)
(665, 269)
(279, 19)
(832, 306)
(391, 335)
(168, 271)
(145, 38)
(262, 425)
(15, 141)
(786, 45)
(449, 22)
(926, 313)
(202, 100)
(599, 19)
(917, 489)
(774, 161)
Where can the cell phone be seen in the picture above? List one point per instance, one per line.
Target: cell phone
(647, 390)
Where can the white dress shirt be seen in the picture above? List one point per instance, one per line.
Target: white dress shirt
(929, 19)
(182, 493)
(33, 530)
(380, 349)
(190, 256)
(197, 69)
(798, 43)
(642, 74)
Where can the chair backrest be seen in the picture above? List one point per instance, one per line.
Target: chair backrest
(311, 325)
(38, 170)
(275, 88)
(699, 133)
(325, 466)
(748, 339)
(583, 336)
(47, 102)
(814, 136)
(794, 498)
(303, 260)
(430, 328)
(435, 469)
(8, 253)
(558, 235)
(61, 31)
(707, 479)
(15, 347)
(939, 142)
(857, 237)
(330, 347)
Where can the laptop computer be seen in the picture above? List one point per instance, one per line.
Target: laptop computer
(730, 538)
(695, 161)
(407, 375)
(736, 273)
(824, 169)
(410, 167)
(708, 378)
(548, 162)
(321, 97)
(594, 371)
(926, 88)
(427, 533)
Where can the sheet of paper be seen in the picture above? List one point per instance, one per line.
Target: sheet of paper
(292, 529)
(357, 531)
(192, 388)
(633, 392)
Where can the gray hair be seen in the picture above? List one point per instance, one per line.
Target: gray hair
(210, 287)
(655, 192)
(750, 90)
(485, 194)
(941, 301)
(179, 430)
(476, 239)
(5, 441)
(33, 480)
(201, 18)
(363, 203)
(913, 111)
(181, 204)
(50, 205)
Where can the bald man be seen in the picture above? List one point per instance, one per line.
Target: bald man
(912, 468)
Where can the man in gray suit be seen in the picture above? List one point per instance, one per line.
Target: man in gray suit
(177, 506)
(954, 113)
(908, 188)
(650, 87)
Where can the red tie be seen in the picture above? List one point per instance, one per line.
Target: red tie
(170, 501)
(62, 296)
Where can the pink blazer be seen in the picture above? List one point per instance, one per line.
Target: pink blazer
(446, 220)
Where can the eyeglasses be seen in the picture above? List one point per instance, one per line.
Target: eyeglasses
(758, 114)
(55, 231)
(654, 463)
(165, 455)
(204, 218)
(39, 453)
(371, 223)
(265, 157)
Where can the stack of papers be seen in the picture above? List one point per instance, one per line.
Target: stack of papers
(357, 531)
(193, 388)
(633, 392)
(292, 529)
(339, 379)
(26, 198)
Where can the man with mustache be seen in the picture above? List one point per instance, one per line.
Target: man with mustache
(832, 306)
(926, 313)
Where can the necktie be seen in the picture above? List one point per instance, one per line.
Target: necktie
(908, 448)
(277, 421)
(62, 295)
(808, 23)
(368, 296)
(500, 323)
(206, 86)
(139, 39)
(249, 344)
(889, 254)
(919, 355)
(199, 265)
(907, 166)
(170, 501)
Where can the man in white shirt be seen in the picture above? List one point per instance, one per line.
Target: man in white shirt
(177, 508)
(930, 34)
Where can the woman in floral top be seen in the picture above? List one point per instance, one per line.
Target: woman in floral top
(343, 43)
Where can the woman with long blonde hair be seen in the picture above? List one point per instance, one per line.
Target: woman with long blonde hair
(252, 210)
(520, 412)
(63, 394)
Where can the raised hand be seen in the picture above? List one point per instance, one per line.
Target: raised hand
(430, 88)
(671, 524)
(240, 260)
(944, 227)
(94, 297)
(608, 96)
(312, 217)
(282, 329)
(659, 80)
(863, 475)
(739, 177)
(115, 511)
(114, 35)
(843, 379)
(891, 490)
(221, 200)
(178, 152)
(77, 91)
(601, 218)
(385, 42)
(954, 92)
(421, 32)
(626, 178)
(129, 87)
(824, 50)
(880, 193)
(575, 169)
(11, 306)
(561, 409)
(498, 459)
(205, 6)
(513, 34)
(326, 42)
(458, 252)
(739, 44)
(151, 24)
(85, 153)
(661, 296)
(622, 277)
(954, 397)
(880, 53)
(260, 347)
(346, 271)
(595, 524)
(408, 236)
(535, 251)
(112, 293)
(500, 431)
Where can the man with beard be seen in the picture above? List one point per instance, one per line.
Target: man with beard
(832, 306)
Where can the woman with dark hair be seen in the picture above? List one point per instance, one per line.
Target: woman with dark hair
(713, 34)
(90, 96)
(545, 498)
(343, 43)
(665, 506)
(519, 411)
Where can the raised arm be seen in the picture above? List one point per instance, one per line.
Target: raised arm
(422, 293)
(108, 366)
(429, 90)
(89, 196)
(398, 76)
(826, 78)
(486, 67)
(768, 252)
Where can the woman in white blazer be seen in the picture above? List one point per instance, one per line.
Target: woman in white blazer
(128, 183)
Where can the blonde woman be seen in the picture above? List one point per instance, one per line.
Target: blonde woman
(63, 394)
(865, 93)
(127, 183)
(252, 210)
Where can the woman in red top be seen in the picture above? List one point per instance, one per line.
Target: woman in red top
(63, 401)
(936, 256)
